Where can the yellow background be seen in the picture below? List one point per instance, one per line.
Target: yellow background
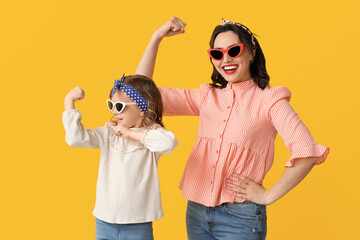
(49, 47)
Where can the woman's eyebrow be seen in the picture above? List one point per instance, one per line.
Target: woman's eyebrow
(228, 46)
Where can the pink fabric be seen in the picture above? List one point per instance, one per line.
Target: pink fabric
(237, 130)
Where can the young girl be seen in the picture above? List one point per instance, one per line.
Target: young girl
(127, 193)
(240, 116)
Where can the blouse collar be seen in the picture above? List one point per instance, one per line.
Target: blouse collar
(241, 85)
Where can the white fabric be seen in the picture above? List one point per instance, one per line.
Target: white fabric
(128, 186)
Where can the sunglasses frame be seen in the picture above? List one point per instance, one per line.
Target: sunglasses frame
(241, 45)
(114, 103)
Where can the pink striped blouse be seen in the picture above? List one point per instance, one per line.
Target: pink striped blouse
(237, 130)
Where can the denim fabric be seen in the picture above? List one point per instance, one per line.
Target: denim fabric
(237, 221)
(111, 231)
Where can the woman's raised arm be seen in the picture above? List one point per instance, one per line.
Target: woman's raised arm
(172, 27)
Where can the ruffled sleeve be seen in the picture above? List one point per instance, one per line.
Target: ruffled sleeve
(78, 136)
(183, 102)
(292, 130)
(159, 140)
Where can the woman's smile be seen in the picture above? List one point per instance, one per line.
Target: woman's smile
(230, 69)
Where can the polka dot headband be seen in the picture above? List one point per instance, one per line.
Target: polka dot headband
(131, 93)
(240, 25)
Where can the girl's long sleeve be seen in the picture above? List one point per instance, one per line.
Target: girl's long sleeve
(159, 140)
(78, 136)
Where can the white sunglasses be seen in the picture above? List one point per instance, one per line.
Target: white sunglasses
(119, 106)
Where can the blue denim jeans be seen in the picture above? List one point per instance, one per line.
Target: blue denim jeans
(111, 231)
(237, 221)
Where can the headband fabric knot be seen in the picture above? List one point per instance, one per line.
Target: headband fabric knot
(131, 93)
(240, 25)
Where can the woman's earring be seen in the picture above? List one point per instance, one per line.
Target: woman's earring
(141, 114)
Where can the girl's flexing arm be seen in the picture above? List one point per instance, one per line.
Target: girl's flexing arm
(75, 94)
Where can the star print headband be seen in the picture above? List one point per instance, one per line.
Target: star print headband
(131, 93)
(240, 25)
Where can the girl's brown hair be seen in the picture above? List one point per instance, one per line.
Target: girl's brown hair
(148, 89)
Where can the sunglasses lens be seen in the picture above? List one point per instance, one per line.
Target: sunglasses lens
(234, 51)
(119, 107)
(110, 105)
(215, 54)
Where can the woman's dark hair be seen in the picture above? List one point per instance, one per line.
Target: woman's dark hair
(257, 67)
(147, 88)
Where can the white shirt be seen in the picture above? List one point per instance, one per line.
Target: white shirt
(128, 188)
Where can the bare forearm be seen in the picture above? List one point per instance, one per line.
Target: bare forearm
(172, 27)
(69, 104)
(147, 62)
(290, 178)
(74, 95)
(252, 191)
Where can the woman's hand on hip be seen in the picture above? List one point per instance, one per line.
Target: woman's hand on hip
(248, 189)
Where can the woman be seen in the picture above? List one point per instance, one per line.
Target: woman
(240, 116)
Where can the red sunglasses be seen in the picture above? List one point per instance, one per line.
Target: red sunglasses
(233, 52)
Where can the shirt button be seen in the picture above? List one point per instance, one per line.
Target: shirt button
(225, 120)
(228, 107)
(213, 166)
(217, 151)
(220, 135)
(211, 182)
